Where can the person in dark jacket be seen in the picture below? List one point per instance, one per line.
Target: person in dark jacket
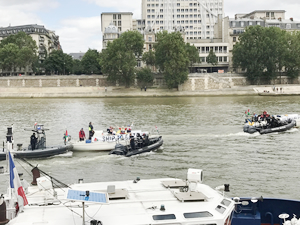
(81, 135)
(91, 130)
(132, 144)
(33, 141)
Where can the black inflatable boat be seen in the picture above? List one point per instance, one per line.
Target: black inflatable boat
(125, 150)
(267, 128)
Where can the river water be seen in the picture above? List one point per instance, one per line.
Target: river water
(198, 132)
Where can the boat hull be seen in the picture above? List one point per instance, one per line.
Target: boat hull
(37, 153)
(155, 143)
(93, 146)
(252, 129)
(265, 212)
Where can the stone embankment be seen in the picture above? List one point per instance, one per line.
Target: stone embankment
(97, 87)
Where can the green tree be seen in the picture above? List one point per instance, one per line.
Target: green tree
(27, 49)
(58, 63)
(119, 59)
(9, 57)
(77, 67)
(149, 58)
(90, 62)
(292, 55)
(171, 58)
(193, 55)
(261, 52)
(212, 59)
(145, 77)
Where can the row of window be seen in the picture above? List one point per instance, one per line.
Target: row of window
(119, 23)
(117, 15)
(220, 59)
(243, 24)
(216, 49)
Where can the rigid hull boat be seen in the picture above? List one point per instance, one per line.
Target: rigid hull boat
(268, 124)
(125, 150)
(102, 141)
(142, 202)
(133, 202)
(40, 150)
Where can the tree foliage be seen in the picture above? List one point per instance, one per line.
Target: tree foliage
(77, 67)
(171, 58)
(145, 77)
(58, 63)
(212, 58)
(149, 58)
(119, 59)
(90, 62)
(261, 52)
(292, 55)
(21, 47)
(193, 55)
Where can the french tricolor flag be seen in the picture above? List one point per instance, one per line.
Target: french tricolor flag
(15, 182)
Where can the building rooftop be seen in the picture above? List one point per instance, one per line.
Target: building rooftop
(77, 55)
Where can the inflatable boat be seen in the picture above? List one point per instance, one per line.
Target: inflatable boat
(268, 126)
(125, 150)
(39, 151)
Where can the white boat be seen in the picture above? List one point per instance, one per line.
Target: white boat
(102, 141)
(133, 202)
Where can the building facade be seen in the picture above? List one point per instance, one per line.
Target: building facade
(46, 40)
(264, 18)
(196, 17)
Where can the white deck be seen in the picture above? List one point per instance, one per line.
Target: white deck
(143, 201)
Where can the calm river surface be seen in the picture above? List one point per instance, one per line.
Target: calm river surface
(198, 132)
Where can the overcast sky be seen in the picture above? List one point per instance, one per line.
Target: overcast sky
(77, 22)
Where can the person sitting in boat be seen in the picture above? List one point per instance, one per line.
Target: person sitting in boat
(33, 141)
(81, 135)
(122, 130)
(91, 130)
(132, 144)
(128, 129)
(110, 130)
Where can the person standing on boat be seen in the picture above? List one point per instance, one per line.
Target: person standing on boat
(132, 144)
(91, 130)
(33, 140)
(81, 135)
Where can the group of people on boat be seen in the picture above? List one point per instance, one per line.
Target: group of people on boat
(140, 141)
(270, 121)
(82, 133)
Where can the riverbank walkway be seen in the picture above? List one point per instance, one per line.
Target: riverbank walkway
(118, 92)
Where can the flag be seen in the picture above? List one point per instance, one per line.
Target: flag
(15, 182)
(66, 133)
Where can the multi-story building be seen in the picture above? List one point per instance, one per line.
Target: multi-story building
(46, 40)
(196, 17)
(264, 18)
(114, 23)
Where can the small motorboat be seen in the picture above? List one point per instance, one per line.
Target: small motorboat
(40, 150)
(125, 150)
(265, 123)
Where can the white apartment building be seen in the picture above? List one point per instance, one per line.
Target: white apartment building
(195, 17)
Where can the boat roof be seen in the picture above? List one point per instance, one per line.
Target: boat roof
(130, 202)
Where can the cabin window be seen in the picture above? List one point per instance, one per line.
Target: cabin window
(220, 209)
(197, 215)
(225, 202)
(164, 217)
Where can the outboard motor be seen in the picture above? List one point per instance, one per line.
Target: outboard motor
(119, 150)
(3, 219)
(36, 174)
(246, 128)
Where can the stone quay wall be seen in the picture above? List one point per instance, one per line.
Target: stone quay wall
(196, 81)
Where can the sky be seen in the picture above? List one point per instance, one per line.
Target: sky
(78, 22)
